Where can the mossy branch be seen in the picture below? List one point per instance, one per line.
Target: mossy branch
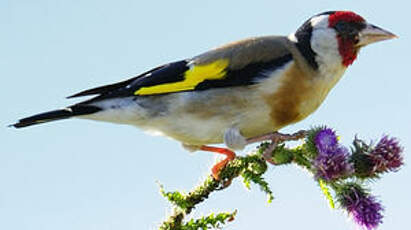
(250, 167)
(331, 165)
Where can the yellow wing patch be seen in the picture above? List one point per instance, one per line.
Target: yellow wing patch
(192, 77)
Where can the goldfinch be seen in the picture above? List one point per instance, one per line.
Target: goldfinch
(236, 94)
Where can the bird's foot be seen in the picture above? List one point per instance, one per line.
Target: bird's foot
(230, 155)
(276, 138)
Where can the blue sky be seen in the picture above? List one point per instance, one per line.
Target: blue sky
(78, 174)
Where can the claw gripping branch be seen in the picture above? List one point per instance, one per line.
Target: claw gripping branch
(332, 165)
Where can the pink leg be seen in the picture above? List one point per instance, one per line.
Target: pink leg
(230, 155)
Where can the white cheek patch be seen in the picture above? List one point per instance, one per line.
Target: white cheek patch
(324, 40)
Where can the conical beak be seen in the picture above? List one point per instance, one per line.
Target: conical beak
(372, 34)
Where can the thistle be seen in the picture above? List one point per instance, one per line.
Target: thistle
(362, 207)
(370, 161)
(325, 139)
(331, 162)
(387, 156)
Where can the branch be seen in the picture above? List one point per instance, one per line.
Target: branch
(332, 165)
(250, 167)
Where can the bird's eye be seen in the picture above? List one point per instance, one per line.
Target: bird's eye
(356, 39)
(348, 31)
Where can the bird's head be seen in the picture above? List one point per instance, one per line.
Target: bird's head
(337, 32)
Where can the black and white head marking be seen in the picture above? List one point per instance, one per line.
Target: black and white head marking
(317, 41)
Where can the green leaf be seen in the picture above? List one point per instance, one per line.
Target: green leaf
(210, 221)
(249, 176)
(175, 198)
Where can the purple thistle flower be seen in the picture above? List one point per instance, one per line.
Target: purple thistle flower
(386, 156)
(332, 159)
(333, 164)
(363, 208)
(325, 139)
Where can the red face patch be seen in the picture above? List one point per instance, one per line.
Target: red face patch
(346, 16)
(347, 51)
(345, 46)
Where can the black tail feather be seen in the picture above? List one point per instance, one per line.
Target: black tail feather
(75, 110)
(102, 89)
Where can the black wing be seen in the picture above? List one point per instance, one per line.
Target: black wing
(220, 70)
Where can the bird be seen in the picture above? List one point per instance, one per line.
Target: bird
(236, 94)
